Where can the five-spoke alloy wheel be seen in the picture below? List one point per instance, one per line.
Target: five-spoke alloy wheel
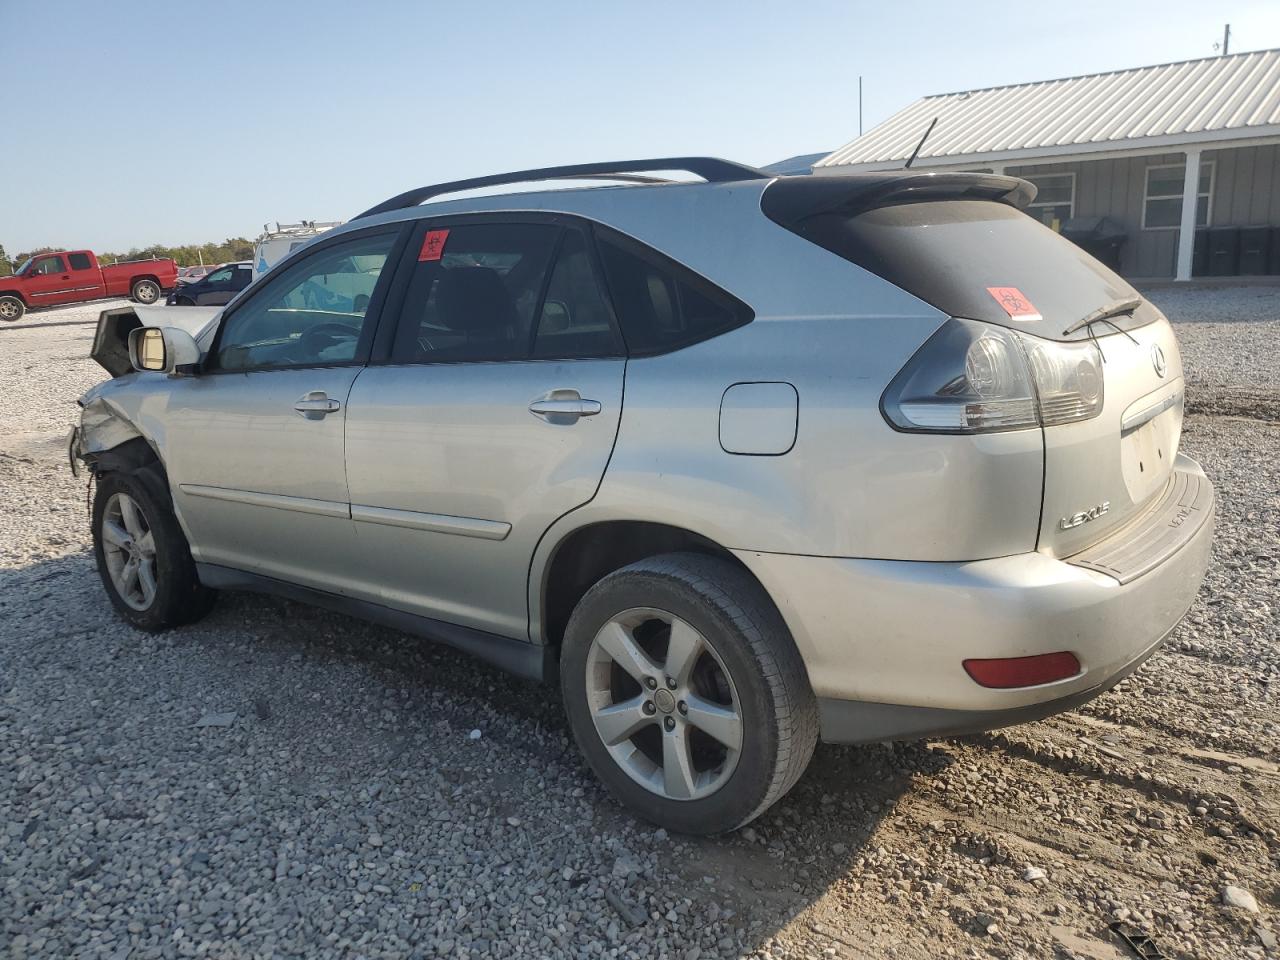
(129, 548)
(686, 693)
(143, 557)
(672, 724)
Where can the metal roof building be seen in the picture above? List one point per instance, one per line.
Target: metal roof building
(794, 166)
(1117, 145)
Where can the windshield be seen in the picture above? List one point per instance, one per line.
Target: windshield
(22, 268)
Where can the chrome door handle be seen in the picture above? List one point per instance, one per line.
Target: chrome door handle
(563, 406)
(575, 408)
(317, 405)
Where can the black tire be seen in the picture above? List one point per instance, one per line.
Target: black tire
(779, 715)
(11, 309)
(179, 597)
(184, 302)
(144, 291)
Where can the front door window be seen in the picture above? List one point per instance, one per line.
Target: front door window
(312, 314)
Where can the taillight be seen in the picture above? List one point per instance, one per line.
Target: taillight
(972, 377)
(1068, 379)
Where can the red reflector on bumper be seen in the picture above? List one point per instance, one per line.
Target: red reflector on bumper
(1007, 672)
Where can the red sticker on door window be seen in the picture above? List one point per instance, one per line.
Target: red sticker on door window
(433, 245)
(1014, 303)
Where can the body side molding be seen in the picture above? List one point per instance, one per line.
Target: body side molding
(323, 508)
(432, 522)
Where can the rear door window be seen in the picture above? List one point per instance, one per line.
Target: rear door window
(661, 305)
(473, 295)
(575, 320)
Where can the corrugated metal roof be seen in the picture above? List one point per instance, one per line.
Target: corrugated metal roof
(803, 163)
(1214, 98)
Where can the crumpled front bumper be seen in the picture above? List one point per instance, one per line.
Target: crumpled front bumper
(74, 453)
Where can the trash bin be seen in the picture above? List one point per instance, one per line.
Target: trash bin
(1101, 237)
(1200, 253)
(1224, 251)
(1255, 250)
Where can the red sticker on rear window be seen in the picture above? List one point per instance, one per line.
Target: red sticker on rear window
(1014, 303)
(433, 245)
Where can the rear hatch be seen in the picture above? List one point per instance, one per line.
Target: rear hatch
(1100, 473)
(960, 243)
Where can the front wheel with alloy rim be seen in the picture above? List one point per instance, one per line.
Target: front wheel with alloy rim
(11, 308)
(145, 291)
(686, 693)
(143, 558)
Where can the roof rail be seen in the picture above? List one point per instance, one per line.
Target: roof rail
(711, 169)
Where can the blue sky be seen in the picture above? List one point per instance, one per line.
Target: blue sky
(143, 123)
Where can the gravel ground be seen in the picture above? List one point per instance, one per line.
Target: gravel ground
(1230, 339)
(278, 781)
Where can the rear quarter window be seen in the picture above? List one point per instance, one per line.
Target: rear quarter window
(660, 305)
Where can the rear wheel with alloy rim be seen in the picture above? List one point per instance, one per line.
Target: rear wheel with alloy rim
(143, 558)
(674, 726)
(686, 693)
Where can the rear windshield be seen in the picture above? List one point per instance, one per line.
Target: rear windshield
(980, 259)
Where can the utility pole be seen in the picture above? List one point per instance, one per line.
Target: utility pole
(859, 105)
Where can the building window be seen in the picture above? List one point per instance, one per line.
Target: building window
(1055, 198)
(1162, 204)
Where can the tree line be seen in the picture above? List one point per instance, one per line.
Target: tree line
(233, 248)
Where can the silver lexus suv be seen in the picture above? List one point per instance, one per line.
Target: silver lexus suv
(742, 464)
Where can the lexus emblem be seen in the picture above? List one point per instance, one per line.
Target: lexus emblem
(1158, 361)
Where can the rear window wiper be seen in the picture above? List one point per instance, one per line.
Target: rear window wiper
(1105, 313)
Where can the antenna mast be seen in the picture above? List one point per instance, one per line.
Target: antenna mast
(916, 152)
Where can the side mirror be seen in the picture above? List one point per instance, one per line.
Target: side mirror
(163, 350)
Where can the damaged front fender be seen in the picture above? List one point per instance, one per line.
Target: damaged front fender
(105, 435)
(103, 427)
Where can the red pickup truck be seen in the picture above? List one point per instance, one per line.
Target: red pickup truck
(72, 276)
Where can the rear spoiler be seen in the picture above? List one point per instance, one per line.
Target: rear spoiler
(790, 200)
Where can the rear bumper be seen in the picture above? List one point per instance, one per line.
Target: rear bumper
(860, 721)
(884, 641)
